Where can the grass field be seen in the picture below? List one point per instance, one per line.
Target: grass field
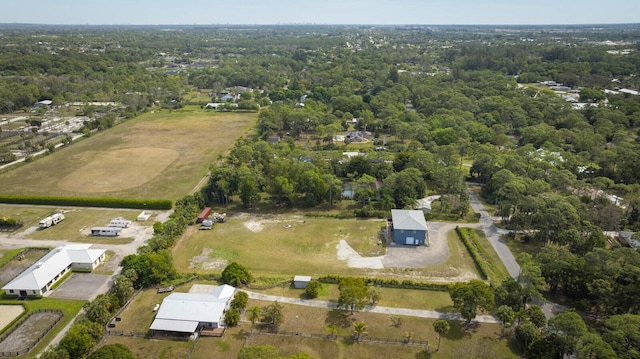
(261, 243)
(159, 155)
(458, 343)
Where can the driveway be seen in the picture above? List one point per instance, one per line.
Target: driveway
(494, 235)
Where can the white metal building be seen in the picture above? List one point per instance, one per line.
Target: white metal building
(189, 312)
(38, 279)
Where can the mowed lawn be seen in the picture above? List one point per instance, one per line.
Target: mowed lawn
(275, 245)
(160, 155)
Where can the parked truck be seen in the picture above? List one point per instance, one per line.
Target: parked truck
(51, 220)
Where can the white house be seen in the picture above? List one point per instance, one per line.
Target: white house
(190, 312)
(38, 279)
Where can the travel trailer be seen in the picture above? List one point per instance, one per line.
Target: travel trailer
(52, 220)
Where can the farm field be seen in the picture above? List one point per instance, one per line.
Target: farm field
(159, 155)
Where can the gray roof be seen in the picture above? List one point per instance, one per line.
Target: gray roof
(408, 219)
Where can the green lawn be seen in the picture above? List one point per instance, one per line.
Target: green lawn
(158, 155)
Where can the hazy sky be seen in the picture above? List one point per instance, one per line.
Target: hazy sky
(435, 12)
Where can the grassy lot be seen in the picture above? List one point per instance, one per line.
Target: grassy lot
(315, 320)
(138, 317)
(30, 216)
(518, 246)
(159, 155)
(76, 220)
(69, 309)
(260, 243)
(496, 271)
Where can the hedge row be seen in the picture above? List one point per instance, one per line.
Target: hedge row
(159, 204)
(389, 283)
(478, 253)
(8, 222)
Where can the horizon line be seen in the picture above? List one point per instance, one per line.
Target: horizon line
(325, 24)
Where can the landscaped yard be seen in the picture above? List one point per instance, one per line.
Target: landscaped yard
(160, 155)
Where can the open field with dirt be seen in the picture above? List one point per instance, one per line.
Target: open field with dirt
(320, 246)
(158, 155)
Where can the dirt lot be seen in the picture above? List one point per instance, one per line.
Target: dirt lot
(17, 265)
(29, 332)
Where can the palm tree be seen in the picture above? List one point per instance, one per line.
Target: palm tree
(359, 329)
(254, 314)
(332, 330)
(408, 336)
(441, 327)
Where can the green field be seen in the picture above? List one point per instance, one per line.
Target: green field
(458, 343)
(262, 242)
(160, 155)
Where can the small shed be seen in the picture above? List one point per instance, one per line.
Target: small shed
(143, 216)
(301, 281)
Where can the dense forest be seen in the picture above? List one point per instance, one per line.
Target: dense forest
(545, 119)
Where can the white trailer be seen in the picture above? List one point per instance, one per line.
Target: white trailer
(121, 223)
(105, 231)
(52, 220)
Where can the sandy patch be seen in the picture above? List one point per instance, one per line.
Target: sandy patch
(118, 170)
(204, 261)
(355, 260)
(8, 313)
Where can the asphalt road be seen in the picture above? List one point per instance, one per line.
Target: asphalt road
(494, 234)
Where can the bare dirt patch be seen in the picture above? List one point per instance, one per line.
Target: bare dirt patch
(30, 332)
(111, 170)
(17, 265)
(204, 261)
(8, 313)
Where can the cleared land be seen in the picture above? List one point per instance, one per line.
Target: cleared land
(8, 313)
(318, 246)
(158, 155)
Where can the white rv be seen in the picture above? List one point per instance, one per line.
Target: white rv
(105, 231)
(119, 223)
(51, 220)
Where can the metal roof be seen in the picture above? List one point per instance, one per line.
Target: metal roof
(181, 311)
(53, 263)
(182, 326)
(408, 219)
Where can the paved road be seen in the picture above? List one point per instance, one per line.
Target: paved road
(372, 309)
(494, 234)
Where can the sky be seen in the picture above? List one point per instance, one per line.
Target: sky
(381, 12)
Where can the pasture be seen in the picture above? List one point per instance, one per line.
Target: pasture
(309, 320)
(160, 155)
(311, 246)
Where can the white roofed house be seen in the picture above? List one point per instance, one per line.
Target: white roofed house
(188, 313)
(38, 279)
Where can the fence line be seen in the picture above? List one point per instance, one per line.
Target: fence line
(17, 324)
(346, 338)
